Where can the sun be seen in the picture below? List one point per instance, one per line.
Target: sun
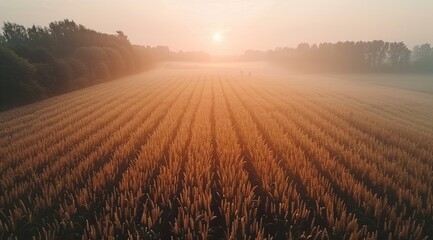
(217, 37)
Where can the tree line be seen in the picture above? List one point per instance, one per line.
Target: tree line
(39, 62)
(354, 57)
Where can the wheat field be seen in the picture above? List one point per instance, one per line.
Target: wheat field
(220, 153)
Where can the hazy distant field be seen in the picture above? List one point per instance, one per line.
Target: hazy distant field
(222, 151)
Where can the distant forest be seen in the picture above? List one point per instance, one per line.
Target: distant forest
(40, 62)
(350, 57)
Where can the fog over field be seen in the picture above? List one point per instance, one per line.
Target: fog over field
(422, 83)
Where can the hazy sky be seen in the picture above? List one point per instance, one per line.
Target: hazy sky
(243, 24)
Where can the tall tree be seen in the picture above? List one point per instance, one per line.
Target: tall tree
(16, 80)
(14, 33)
(375, 52)
(399, 55)
(39, 37)
(423, 58)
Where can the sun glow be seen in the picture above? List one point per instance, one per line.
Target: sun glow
(217, 37)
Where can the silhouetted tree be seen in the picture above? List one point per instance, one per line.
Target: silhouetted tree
(122, 37)
(21, 49)
(40, 55)
(16, 80)
(62, 72)
(14, 33)
(62, 29)
(423, 58)
(39, 37)
(375, 53)
(398, 55)
(115, 61)
(44, 76)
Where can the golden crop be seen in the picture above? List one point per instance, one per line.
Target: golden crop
(197, 154)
